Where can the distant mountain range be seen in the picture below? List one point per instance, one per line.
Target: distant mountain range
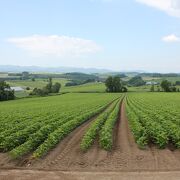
(12, 68)
(39, 69)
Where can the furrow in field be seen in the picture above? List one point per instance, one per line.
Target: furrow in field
(64, 155)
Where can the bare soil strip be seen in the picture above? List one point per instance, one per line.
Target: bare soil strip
(60, 175)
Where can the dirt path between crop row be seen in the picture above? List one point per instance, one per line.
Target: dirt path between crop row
(125, 155)
(126, 160)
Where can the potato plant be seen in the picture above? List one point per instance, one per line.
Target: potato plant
(95, 128)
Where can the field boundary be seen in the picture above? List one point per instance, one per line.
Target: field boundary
(87, 171)
(74, 175)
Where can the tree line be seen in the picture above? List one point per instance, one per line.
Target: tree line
(166, 86)
(49, 88)
(114, 84)
(6, 93)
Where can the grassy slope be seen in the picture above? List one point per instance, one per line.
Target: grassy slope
(159, 79)
(39, 83)
(90, 87)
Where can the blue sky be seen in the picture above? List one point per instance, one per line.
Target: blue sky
(112, 34)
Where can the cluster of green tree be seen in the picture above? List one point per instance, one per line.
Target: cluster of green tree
(25, 75)
(18, 76)
(114, 84)
(49, 88)
(76, 83)
(167, 86)
(177, 83)
(47, 75)
(153, 89)
(9, 78)
(136, 81)
(121, 75)
(6, 93)
(14, 74)
(80, 76)
(71, 76)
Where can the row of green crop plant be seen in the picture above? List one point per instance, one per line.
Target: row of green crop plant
(16, 118)
(19, 123)
(136, 126)
(159, 127)
(48, 136)
(167, 121)
(33, 120)
(30, 124)
(155, 132)
(106, 133)
(103, 127)
(164, 114)
(168, 111)
(17, 136)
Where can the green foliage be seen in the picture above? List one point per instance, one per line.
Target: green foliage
(55, 137)
(27, 123)
(79, 82)
(109, 84)
(85, 88)
(79, 76)
(136, 81)
(56, 87)
(106, 133)
(157, 114)
(114, 84)
(33, 79)
(136, 127)
(5, 92)
(25, 75)
(49, 88)
(177, 83)
(152, 88)
(165, 85)
(95, 127)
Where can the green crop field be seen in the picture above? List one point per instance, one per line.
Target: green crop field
(89, 87)
(144, 88)
(38, 124)
(102, 127)
(154, 118)
(38, 83)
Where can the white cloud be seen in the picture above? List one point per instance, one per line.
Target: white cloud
(172, 7)
(56, 45)
(171, 38)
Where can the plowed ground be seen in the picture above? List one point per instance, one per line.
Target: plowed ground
(125, 157)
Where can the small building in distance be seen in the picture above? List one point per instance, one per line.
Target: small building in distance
(17, 89)
(152, 83)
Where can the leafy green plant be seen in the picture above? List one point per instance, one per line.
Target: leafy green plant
(106, 133)
(94, 129)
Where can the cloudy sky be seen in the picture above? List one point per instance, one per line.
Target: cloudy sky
(112, 34)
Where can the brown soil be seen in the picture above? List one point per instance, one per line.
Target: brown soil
(62, 175)
(69, 162)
